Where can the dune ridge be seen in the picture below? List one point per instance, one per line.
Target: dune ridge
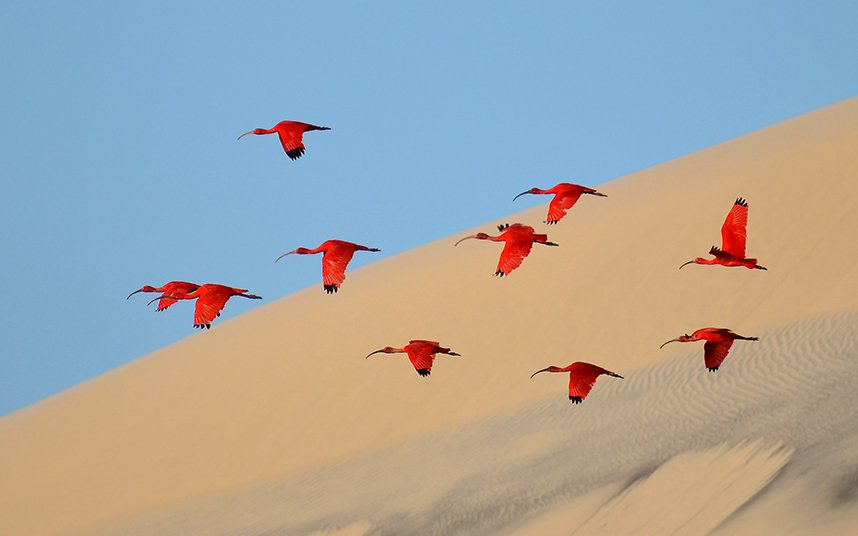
(272, 400)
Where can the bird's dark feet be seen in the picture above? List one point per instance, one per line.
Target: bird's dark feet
(454, 353)
(295, 154)
(548, 244)
(713, 369)
(330, 289)
(423, 372)
(760, 268)
(575, 399)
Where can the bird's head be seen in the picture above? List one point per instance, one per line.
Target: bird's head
(254, 131)
(548, 369)
(145, 288)
(478, 236)
(682, 338)
(386, 350)
(698, 260)
(531, 191)
(299, 251)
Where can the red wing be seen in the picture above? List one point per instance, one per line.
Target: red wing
(423, 341)
(208, 307)
(582, 376)
(334, 266)
(715, 352)
(291, 141)
(513, 253)
(421, 356)
(559, 205)
(734, 231)
(165, 302)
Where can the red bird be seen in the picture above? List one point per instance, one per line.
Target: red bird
(519, 240)
(291, 135)
(337, 254)
(718, 343)
(179, 289)
(582, 376)
(565, 197)
(211, 299)
(733, 237)
(421, 354)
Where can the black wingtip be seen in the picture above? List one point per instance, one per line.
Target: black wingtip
(423, 372)
(551, 222)
(575, 399)
(713, 369)
(295, 154)
(503, 226)
(330, 289)
(741, 202)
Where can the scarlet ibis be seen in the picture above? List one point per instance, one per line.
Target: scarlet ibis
(335, 258)
(291, 135)
(582, 376)
(733, 237)
(519, 240)
(565, 197)
(211, 299)
(172, 292)
(421, 354)
(718, 343)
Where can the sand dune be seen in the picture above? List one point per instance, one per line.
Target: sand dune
(274, 423)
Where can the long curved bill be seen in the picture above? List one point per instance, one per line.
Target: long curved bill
(521, 194)
(460, 241)
(689, 262)
(376, 352)
(668, 342)
(153, 300)
(245, 134)
(135, 292)
(538, 371)
(281, 256)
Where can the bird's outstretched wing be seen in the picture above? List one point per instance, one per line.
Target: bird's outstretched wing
(714, 353)
(292, 141)
(334, 264)
(421, 356)
(209, 307)
(734, 231)
(560, 204)
(517, 247)
(165, 302)
(582, 376)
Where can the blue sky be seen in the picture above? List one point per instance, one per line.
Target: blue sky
(120, 164)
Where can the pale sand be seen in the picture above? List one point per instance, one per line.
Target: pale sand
(273, 423)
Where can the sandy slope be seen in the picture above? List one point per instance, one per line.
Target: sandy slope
(275, 422)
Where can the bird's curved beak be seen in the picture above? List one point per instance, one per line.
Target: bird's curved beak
(155, 299)
(538, 371)
(287, 253)
(245, 134)
(376, 352)
(668, 342)
(135, 292)
(521, 194)
(689, 262)
(467, 237)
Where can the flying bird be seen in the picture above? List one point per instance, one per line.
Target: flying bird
(718, 343)
(421, 354)
(211, 299)
(565, 197)
(582, 376)
(291, 135)
(171, 292)
(733, 237)
(335, 258)
(519, 240)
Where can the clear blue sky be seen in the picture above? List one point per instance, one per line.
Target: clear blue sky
(120, 164)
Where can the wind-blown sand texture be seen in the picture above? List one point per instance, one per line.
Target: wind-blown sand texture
(273, 423)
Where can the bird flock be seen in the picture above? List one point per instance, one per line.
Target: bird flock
(518, 241)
